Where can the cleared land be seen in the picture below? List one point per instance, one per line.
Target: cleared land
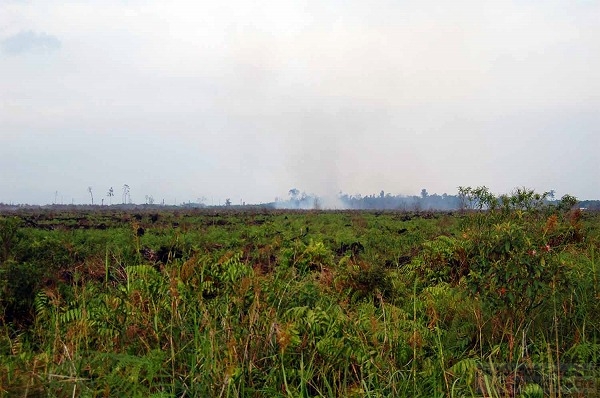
(497, 303)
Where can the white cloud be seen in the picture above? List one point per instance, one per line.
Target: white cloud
(29, 41)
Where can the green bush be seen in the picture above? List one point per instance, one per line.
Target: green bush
(9, 236)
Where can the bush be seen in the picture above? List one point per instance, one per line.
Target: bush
(509, 259)
(19, 283)
(9, 236)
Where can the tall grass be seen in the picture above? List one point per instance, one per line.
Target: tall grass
(238, 309)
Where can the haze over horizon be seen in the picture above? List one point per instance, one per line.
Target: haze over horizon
(246, 100)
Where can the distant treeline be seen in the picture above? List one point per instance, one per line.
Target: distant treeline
(590, 204)
(387, 201)
(382, 201)
(304, 201)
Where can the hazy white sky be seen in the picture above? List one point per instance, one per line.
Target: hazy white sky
(247, 99)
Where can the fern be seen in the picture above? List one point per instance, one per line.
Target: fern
(70, 315)
(41, 304)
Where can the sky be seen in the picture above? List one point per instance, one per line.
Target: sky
(187, 100)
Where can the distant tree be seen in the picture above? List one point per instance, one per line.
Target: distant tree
(294, 193)
(567, 202)
(126, 193)
(424, 193)
(316, 203)
(91, 194)
(464, 197)
(110, 194)
(227, 202)
(479, 198)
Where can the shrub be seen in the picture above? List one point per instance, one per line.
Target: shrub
(9, 235)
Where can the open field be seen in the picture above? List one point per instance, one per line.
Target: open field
(498, 303)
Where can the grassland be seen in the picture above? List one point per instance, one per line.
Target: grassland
(216, 303)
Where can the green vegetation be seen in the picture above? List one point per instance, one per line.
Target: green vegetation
(498, 300)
